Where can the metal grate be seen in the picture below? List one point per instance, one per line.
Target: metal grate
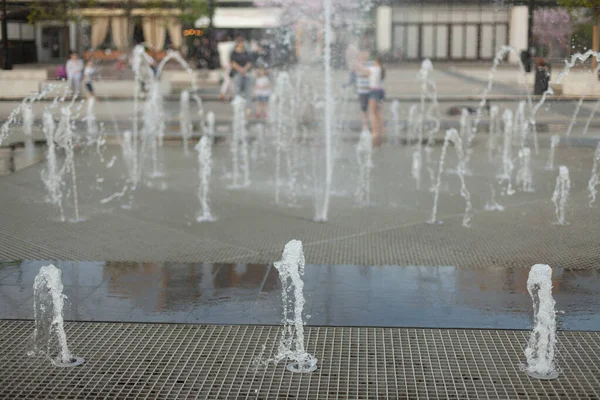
(152, 361)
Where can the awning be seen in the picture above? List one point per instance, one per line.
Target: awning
(243, 17)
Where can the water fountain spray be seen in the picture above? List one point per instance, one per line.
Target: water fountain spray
(239, 136)
(63, 136)
(27, 130)
(561, 195)
(554, 141)
(291, 346)
(90, 119)
(51, 175)
(49, 337)
(542, 341)
(507, 163)
(204, 149)
(416, 167)
(574, 117)
(364, 157)
(492, 204)
(493, 133)
(590, 118)
(396, 120)
(524, 177)
(185, 120)
(209, 126)
(595, 178)
(451, 136)
(329, 112)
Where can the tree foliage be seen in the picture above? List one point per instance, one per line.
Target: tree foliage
(552, 27)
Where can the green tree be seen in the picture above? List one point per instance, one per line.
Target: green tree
(594, 7)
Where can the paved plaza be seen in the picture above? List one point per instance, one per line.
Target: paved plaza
(163, 306)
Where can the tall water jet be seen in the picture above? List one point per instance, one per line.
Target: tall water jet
(395, 109)
(27, 130)
(507, 163)
(127, 150)
(364, 151)
(238, 137)
(436, 192)
(524, 177)
(64, 138)
(49, 337)
(204, 149)
(462, 165)
(493, 133)
(466, 136)
(329, 111)
(416, 168)
(595, 178)
(561, 195)
(413, 121)
(590, 118)
(542, 341)
(554, 141)
(209, 126)
(185, 120)
(51, 175)
(574, 117)
(291, 346)
(90, 119)
(520, 125)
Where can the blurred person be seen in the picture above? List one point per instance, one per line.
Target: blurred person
(376, 74)
(262, 91)
(205, 55)
(74, 69)
(363, 88)
(241, 65)
(225, 48)
(88, 76)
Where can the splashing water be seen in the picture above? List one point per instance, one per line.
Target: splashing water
(239, 136)
(542, 341)
(204, 149)
(595, 178)
(49, 337)
(574, 117)
(185, 120)
(464, 192)
(63, 136)
(291, 346)
(209, 126)
(554, 141)
(416, 168)
(493, 133)
(27, 130)
(524, 175)
(492, 204)
(561, 195)
(51, 175)
(395, 110)
(153, 130)
(436, 192)
(590, 118)
(364, 152)
(466, 136)
(507, 163)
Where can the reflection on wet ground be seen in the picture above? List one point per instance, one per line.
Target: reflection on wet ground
(345, 295)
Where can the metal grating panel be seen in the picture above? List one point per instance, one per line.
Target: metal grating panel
(146, 361)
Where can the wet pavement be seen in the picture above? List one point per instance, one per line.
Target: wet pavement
(337, 295)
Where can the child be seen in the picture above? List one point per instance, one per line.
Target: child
(88, 74)
(262, 91)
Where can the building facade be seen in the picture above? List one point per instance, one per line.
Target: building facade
(449, 31)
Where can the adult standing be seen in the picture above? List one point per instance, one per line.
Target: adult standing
(241, 64)
(225, 49)
(74, 69)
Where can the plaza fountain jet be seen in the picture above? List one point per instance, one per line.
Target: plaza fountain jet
(542, 341)
(49, 336)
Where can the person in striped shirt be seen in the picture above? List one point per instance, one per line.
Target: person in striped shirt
(363, 88)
